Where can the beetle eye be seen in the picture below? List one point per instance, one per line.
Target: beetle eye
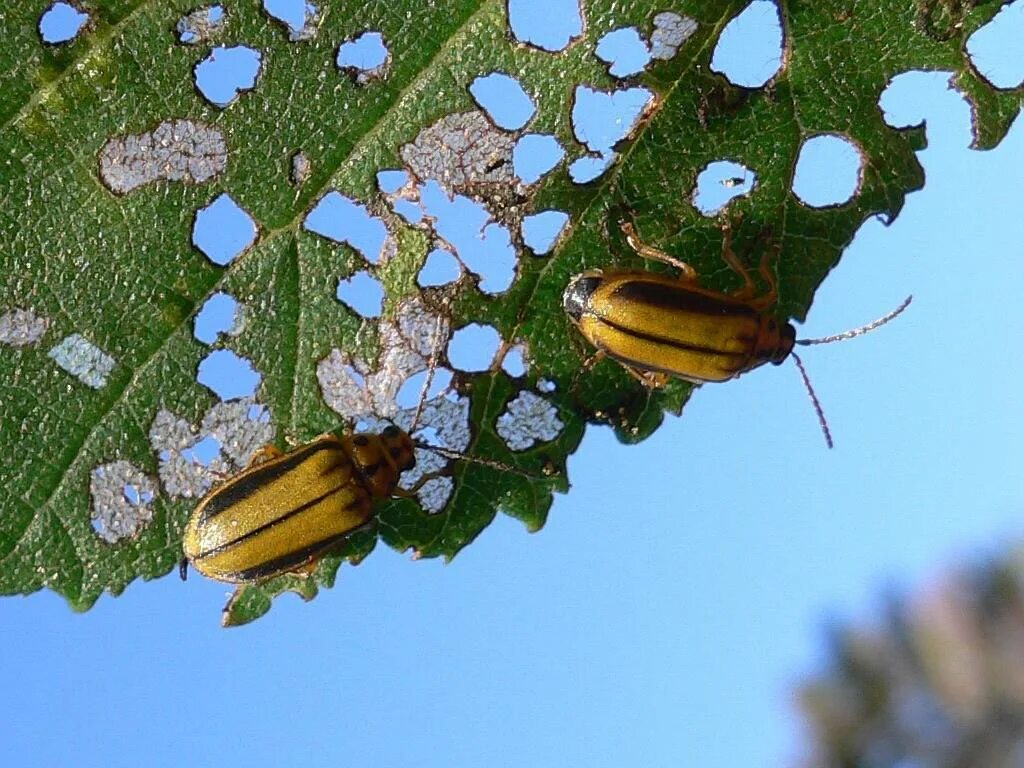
(390, 432)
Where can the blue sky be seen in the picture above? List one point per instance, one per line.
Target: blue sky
(677, 593)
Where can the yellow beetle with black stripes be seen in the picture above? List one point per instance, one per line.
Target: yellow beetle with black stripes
(659, 326)
(285, 510)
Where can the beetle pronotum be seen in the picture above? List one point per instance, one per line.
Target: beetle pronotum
(659, 326)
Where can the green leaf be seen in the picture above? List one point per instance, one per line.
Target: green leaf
(119, 270)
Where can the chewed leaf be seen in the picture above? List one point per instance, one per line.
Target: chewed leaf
(232, 225)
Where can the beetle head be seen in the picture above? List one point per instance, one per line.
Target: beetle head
(577, 294)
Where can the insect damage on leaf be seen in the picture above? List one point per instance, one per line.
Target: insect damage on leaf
(299, 17)
(122, 500)
(365, 57)
(191, 460)
(223, 230)
(176, 150)
(201, 25)
(22, 327)
(527, 420)
(83, 360)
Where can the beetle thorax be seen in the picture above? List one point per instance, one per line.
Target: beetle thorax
(380, 459)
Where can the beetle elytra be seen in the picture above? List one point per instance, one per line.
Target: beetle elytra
(659, 327)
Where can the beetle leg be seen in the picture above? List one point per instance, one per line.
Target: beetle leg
(650, 379)
(264, 454)
(307, 569)
(687, 273)
(764, 269)
(749, 289)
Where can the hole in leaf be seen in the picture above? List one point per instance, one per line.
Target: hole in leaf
(473, 347)
(992, 47)
(363, 293)
(484, 246)
(542, 230)
(440, 268)
(176, 150)
(719, 183)
(122, 497)
(411, 391)
(223, 230)
(298, 16)
(226, 72)
(913, 97)
(828, 171)
(600, 119)
(200, 25)
(229, 376)
(218, 315)
(346, 221)
(504, 100)
(83, 360)
(61, 22)
(625, 51)
(364, 57)
(587, 168)
(22, 327)
(534, 155)
(671, 31)
(749, 50)
(514, 362)
(546, 386)
(528, 419)
(392, 180)
(205, 452)
(547, 24)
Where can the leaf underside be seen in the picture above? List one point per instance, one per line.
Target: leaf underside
(121, 269)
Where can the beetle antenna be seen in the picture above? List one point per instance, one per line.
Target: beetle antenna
(858, 331)
(448, 453)
(822, 422)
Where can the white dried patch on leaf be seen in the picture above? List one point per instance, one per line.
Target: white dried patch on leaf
(301, 168)
(343, 385)
(527, 420)
(241, 427)
(122, 500)
(181, 476)
(461, 150)
(83, 360)
(176, 150)
(22, 327)
(201, 25)
(671, 30)
(434, 494)
(358, 391)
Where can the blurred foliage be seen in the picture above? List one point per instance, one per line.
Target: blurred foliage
(937, 683)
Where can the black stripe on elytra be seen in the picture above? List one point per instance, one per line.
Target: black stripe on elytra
(268, 525)
(681, 345)
(237, 491)
(669, 297)
(288, 562)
